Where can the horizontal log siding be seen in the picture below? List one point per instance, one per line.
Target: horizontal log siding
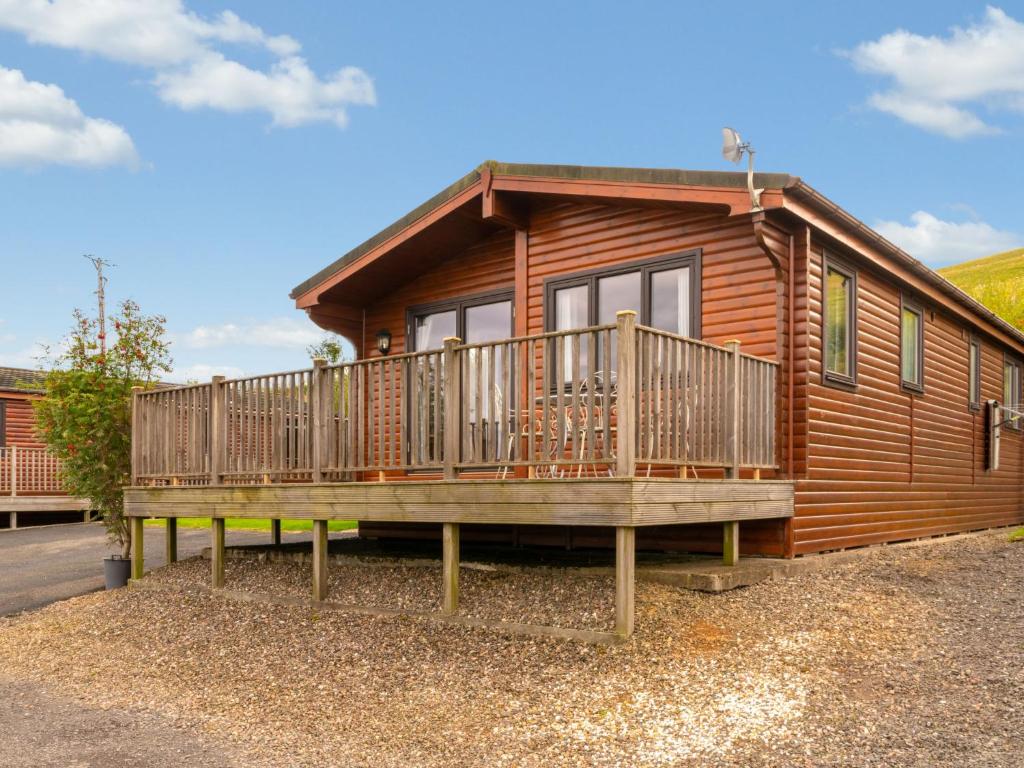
(21, 423)
(739, 302)
(886, 465)
(485, 267)
(738, 281)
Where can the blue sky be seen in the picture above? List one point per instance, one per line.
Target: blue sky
(218, 160)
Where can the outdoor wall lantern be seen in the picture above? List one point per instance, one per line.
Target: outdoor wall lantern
(384, 341)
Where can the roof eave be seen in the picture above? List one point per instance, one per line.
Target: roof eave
(807, 194)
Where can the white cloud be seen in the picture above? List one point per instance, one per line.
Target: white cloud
(190, 70)
(278, 333)
(39, 125)
(290, 92)
(939, 81)
(938, 243)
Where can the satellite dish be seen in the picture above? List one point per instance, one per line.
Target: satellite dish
(733, 148)
(732, 145)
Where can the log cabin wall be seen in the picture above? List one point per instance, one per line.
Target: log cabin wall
(884, 464)
(19, 421)
(740, 300)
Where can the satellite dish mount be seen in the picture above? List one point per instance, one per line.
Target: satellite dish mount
(733, 148)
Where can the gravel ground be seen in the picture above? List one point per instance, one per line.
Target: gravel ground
(909, 656)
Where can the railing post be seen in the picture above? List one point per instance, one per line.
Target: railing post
(733, 393)
(452, 406)
(625, 449)
(135, 435)
(14, 470)
(217, 441)
(316, 409)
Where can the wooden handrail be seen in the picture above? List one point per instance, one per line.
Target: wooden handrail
(604, 400)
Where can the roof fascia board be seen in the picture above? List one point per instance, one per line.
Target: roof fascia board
(309, 297)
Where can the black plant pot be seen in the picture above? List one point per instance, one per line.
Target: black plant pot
(116, 571)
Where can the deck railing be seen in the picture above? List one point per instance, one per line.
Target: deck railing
(29, 472)
(604, 400)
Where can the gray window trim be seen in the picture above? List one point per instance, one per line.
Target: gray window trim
(831, 378)
(646, 267)
(908, 304)
(974, 372)
(459, 305)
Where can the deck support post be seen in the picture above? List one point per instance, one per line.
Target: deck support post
(217, 552)
(625, 449)
(171, 541)
(14, 520)
(275, 532)
(138, 547)
(731, 542)
(450, 568)
(733, 408)
(625, 578)
(319, 560)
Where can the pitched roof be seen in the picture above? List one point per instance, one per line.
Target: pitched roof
(22, 379)
(792, 186)
(726, 179)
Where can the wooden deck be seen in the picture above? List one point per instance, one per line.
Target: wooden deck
(30, 483)
(611, 426)
(609, 501)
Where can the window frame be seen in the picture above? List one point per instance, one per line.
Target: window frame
(646, 267)
(833, 378)
(1013, 362)
(973, 372)
(458, 304)
(907, 304)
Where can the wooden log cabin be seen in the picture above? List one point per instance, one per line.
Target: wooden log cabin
(587, 356)
(29, 475)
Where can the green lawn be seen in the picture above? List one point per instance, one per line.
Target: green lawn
(245, 524)
(996, 281)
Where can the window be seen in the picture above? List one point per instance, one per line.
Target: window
(1011, 388)
(912, 347)
(840, 323)
(473, 319)
(974, 374)
(665, 294)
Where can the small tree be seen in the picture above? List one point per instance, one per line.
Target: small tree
(85, 416)
(328, 348)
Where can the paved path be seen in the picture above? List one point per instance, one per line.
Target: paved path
(43, 729)
(42, 564)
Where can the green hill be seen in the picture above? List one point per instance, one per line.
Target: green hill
(996, 281)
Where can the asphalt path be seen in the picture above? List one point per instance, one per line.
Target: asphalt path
(42, 564)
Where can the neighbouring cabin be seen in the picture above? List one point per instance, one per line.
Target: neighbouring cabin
(29, 474)
(579, 356)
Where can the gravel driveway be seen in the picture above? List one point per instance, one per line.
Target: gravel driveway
(908, 656)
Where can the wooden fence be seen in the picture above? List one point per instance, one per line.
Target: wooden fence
(29, 472)
(606, 400)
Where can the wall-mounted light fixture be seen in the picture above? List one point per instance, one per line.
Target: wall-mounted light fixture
(384, 341)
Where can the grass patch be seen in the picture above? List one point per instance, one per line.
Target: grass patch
(1017, 535)
(249, 524)
(996, 281)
